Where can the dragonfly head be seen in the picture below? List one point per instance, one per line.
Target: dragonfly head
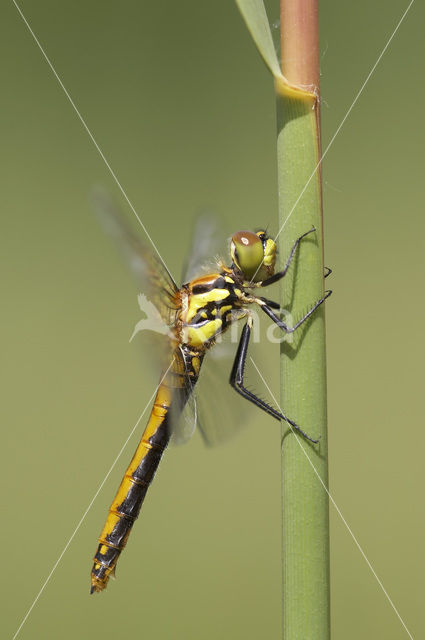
(254, 254)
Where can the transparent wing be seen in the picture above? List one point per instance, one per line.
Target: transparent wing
(213, 405)
(208, 245)
(184, 427)
(218, 411)
(215, 408)
(221, 412)
(184, 422)
(152, 276)
(158, 304)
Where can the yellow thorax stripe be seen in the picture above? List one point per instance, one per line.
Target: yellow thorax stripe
(198, 336)
(199, 300)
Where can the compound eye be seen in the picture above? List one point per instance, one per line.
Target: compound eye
(247, 252)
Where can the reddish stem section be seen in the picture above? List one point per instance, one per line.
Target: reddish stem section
(299, 36)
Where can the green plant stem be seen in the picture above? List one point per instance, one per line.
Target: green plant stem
(303, 365)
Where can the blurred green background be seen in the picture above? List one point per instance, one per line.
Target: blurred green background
(183, 108)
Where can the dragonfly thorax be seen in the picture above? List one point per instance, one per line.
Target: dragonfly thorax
(208, 306)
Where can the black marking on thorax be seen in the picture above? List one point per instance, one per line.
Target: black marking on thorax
(213, 309)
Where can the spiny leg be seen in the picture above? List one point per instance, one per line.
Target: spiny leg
(270, 303)
(237, 382)
(280, 274)
(266, 308)
(276, 305)
(273, 305)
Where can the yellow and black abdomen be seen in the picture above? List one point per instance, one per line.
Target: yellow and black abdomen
(206, 310)
(171, 396)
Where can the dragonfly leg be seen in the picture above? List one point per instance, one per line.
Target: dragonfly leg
(271, 303)
(328, 272)
(266, 308)
(237, 382)
(280, 274)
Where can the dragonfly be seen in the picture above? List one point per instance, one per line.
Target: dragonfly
(197, 313)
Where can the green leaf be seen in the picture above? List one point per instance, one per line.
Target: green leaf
(254, 14)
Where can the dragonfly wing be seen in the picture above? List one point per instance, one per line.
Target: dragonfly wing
(184, 422)
(185, 426)
(207, 242)
(152, 276)
(212, 406)
(217, 410)
(217, 420)
(221, 412)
